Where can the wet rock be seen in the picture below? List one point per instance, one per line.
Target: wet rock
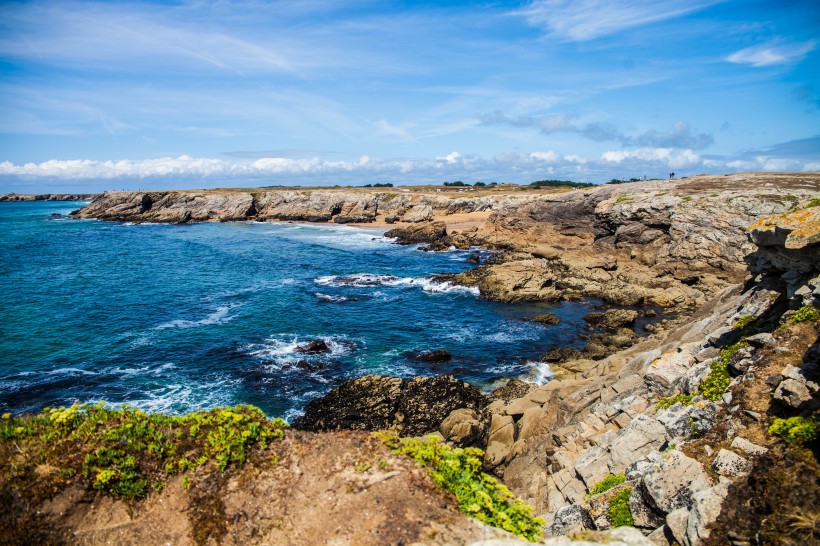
(426, 401)
(414, 407)
(546, 319)
(613, 318)
(363, 403)
(438, 355)
(316, 346)
(474, 258)
(515, 388)
(562, 355)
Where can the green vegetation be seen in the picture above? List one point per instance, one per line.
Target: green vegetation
(618, 509)
(715, 384)
(607, 483)
(745, 321)
(807, 313)
(457, 183)
(795, 430)
(479, 495)
(125, 450)
(814, 203)
(559, 184)
(386, 185)
(668, 401)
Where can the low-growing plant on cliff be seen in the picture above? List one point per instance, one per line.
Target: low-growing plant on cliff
(125, 450)
(814, 203)
(607, 483)
(479, 495)
(807, 313)
(744, 322)
(668, 401)
(795, 430)
(715, 384)
(618, 508)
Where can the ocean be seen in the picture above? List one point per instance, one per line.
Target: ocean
(176, 318)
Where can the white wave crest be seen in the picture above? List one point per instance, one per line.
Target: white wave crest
(219, 316)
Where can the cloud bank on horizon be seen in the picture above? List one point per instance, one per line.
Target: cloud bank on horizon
(205, 93)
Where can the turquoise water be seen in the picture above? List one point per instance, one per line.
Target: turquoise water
(176, 318)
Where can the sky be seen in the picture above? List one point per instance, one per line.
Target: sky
(224, 93)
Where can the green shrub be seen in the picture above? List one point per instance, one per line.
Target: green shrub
(607, 483)
(125, 450)
(807, 313)
(618, 508)
(479, 495)
(814, 203)
(668, 401)
(795, 430)
(715, 384)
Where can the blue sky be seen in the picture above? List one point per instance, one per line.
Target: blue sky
(127, 95)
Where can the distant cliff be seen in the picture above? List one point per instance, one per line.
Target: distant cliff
(46, 197)
(338, 206)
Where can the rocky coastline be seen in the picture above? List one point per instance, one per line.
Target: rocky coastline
(18, 197)
(676, 433)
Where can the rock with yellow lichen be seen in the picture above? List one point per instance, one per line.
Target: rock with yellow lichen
(794, 230)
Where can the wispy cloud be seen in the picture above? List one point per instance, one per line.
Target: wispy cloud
(773, 54)
(679, 135)
(580, 20)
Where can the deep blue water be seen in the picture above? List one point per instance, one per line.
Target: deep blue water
(176, 318)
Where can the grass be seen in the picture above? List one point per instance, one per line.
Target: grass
(125, 451)
(607, 483)
(618, 509)
(479, 495)
(795, 430)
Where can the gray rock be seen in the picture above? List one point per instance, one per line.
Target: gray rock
(662, 536)
(705, 510)
(793, 393)
(664, 372)
(760, 340)
(729, 463)
(571, 518)
(677, 521)
(642, 436)
(672, 481)
(748, 447)
(593, 466)
(644, 514)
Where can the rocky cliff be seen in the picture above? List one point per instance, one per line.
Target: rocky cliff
(338, 206)
(13, 197)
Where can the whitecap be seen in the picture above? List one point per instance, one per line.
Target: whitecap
(540, 373)
(219, 316)
(329, 298)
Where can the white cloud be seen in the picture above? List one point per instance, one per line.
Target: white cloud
(772, 54)
(667, 156)
(451, 159)
(548, 156)
(580, 20)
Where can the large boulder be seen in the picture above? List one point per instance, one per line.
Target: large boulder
(413, 407)
(428, 232)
